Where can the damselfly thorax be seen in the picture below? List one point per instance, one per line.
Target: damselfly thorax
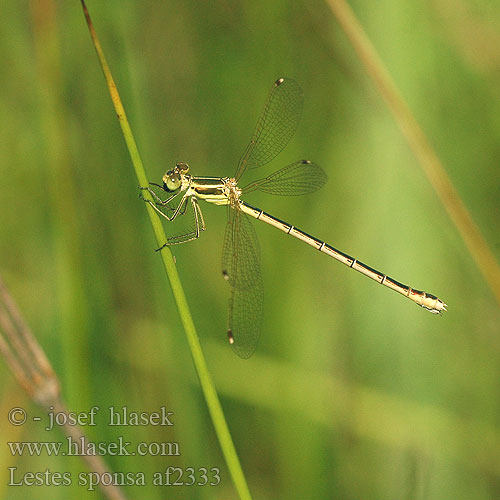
(216, 190)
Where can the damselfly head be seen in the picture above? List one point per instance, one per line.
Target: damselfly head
(172, 180)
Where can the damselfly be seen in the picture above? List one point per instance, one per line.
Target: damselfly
(241, 258)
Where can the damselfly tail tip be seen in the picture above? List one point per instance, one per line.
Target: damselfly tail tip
(434, 305)
(440, 306)
(428, 301)
(230, 336)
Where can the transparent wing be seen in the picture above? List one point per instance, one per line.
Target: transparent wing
(245, 319)
(301, 177)
(241, 268)
(275, 127)
(241, 253)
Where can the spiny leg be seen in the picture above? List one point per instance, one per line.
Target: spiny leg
(199, 214)
(191, 235)
(158, 200)
(177, 211)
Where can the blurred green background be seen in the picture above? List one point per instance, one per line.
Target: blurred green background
(353, 392)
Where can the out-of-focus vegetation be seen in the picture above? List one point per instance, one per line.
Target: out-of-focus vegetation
(353, 392)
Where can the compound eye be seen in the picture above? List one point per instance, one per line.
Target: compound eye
(172, 181)
(182, 167)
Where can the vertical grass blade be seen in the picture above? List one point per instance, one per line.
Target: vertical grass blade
(207, 385)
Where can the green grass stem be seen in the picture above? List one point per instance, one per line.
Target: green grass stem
(207, 385)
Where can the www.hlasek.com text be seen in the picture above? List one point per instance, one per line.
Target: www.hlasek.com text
(81, 447)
